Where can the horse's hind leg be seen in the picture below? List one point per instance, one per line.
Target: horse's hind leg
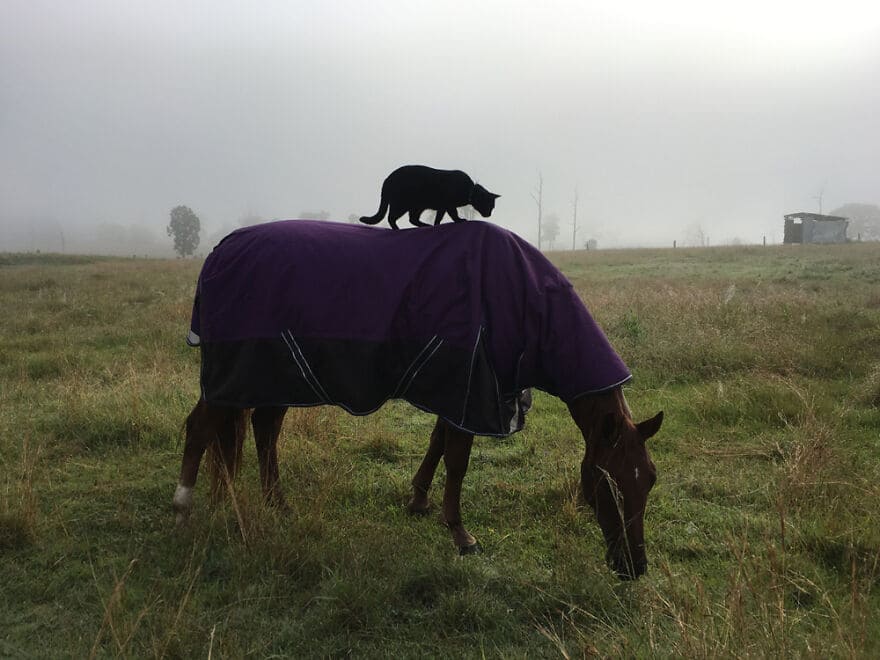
(421, 482)
(202, 426)
(226, 448)
(267, 427)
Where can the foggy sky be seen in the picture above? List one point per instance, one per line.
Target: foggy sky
(665, 120)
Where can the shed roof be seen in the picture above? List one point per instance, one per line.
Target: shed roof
(817, 217)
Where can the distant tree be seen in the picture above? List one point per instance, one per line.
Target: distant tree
(696, 236)
(864, 220)
(574, 219)
(551, 228)
(538, 196)
(184, 228)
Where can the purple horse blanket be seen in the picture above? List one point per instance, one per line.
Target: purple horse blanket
(458, 320)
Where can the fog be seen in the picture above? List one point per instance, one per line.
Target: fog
(671, 123)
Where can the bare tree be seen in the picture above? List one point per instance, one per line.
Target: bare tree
(696, 236)
(574, 220)
(538, 196)
(819, 197)
(551, 229)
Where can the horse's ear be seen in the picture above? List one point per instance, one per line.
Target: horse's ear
(650, 426)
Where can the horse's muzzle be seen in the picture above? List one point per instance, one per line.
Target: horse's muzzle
(627, 568)
(632, 572)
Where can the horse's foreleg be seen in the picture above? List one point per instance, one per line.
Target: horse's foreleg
(456, 456)
(421, 482)
(201, 429)
(267, 427)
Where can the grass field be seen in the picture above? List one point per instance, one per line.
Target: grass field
(763, 531)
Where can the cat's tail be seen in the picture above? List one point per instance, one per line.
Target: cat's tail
(380, 214)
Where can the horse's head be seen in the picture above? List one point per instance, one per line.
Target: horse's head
(616, 475)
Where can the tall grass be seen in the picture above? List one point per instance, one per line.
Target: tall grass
(763, 531)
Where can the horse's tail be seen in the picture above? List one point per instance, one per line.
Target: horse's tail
(380, 214)
(226, 447)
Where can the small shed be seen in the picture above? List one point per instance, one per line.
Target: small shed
(815, 228)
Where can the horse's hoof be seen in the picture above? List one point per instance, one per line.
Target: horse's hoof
(418, 510)
(474, 549)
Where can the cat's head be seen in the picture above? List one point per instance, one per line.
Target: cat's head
(483, 200)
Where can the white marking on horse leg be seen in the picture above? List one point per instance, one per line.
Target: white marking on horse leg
(183, 497)
(182, 502)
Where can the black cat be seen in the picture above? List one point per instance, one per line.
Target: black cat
(416, 188)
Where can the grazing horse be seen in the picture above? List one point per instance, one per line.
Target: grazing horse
(460, 321)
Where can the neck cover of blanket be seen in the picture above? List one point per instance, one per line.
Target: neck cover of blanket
(458, 320)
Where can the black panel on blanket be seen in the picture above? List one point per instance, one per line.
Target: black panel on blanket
(360, 376)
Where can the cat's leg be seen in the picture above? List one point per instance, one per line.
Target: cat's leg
(453, 213)
(415, 216)
(393, 216)
(439, 216)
